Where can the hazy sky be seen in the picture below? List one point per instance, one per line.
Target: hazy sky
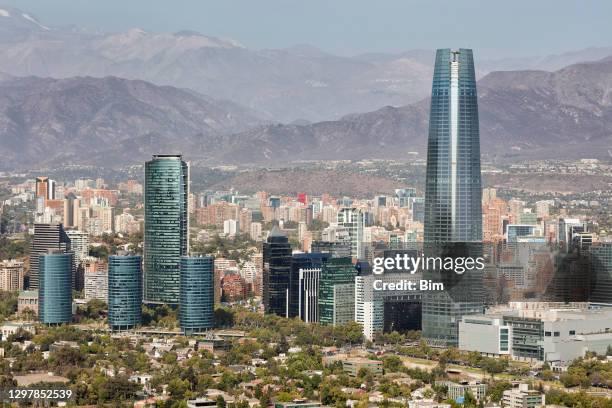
(518, 27)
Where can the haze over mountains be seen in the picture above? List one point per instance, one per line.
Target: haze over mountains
(524, 114)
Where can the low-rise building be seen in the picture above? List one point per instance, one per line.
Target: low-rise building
(10, 328)
(457, 390)
(538, 331)
(27, 300)
(523, 397)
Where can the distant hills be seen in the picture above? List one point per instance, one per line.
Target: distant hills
(523, 115)
(221, 103)
(285, 85)
(107, 121)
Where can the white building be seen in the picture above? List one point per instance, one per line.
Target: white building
(79, 244)
(96, 285)
(523, 397)
(542, 331)
(231, 227)
(369, 306)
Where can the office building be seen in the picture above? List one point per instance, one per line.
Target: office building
(601, 273)
(334, 303)
(276, 273)
(46, 237)
(304, 284)
(196, 309)
(453, 196)
(538, 331)
(336, 249)
(166, 237)
(55, 291)
(353, 220)
(124, 291)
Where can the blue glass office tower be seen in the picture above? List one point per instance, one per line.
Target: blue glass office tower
(166, 227)
(453, 195)
(55, 288)
(276, 273)
(197, 295)
(124, 292)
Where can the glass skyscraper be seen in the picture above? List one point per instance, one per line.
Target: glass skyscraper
(124, 292)
(453, 195)
(55, 288)
(166, 227)
(335, 272)
(197, 297)
(305, 270)
(276, 273)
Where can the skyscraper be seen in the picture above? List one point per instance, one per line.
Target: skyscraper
(55, 291)
(353, 220)
(46, 237)
(124, 292)
(332, 302)
(166, 226)
(197, 297)
(276, 273)
(453, 194)
(304, 285)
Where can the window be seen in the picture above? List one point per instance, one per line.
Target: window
(547, 334)
(572, 332)
(557, 334)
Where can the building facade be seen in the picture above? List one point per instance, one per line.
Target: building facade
(453, 196)
(276, 273)
(336, 271)
(166, 227)
(196, 309)
(55, 291)
(124, 292)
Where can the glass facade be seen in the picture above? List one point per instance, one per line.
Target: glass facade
(196, 310)
(276, 273)
(124, 292)
(601, 272)
(336, 271)
(166, 227)
(453, 196)
(55, 288)
(299, 264)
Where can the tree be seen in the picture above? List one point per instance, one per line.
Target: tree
(177, 388)
(221, 402)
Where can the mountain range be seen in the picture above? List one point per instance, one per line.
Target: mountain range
(284, 85)
(66, 96)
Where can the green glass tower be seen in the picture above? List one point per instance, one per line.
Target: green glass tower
(166, 227)
(196, 310)
(334, 273)
(453, 195)
(124, 292)
(55, 288)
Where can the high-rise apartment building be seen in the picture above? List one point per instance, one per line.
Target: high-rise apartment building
(353, 220)
(453, 196)
(166, 237)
